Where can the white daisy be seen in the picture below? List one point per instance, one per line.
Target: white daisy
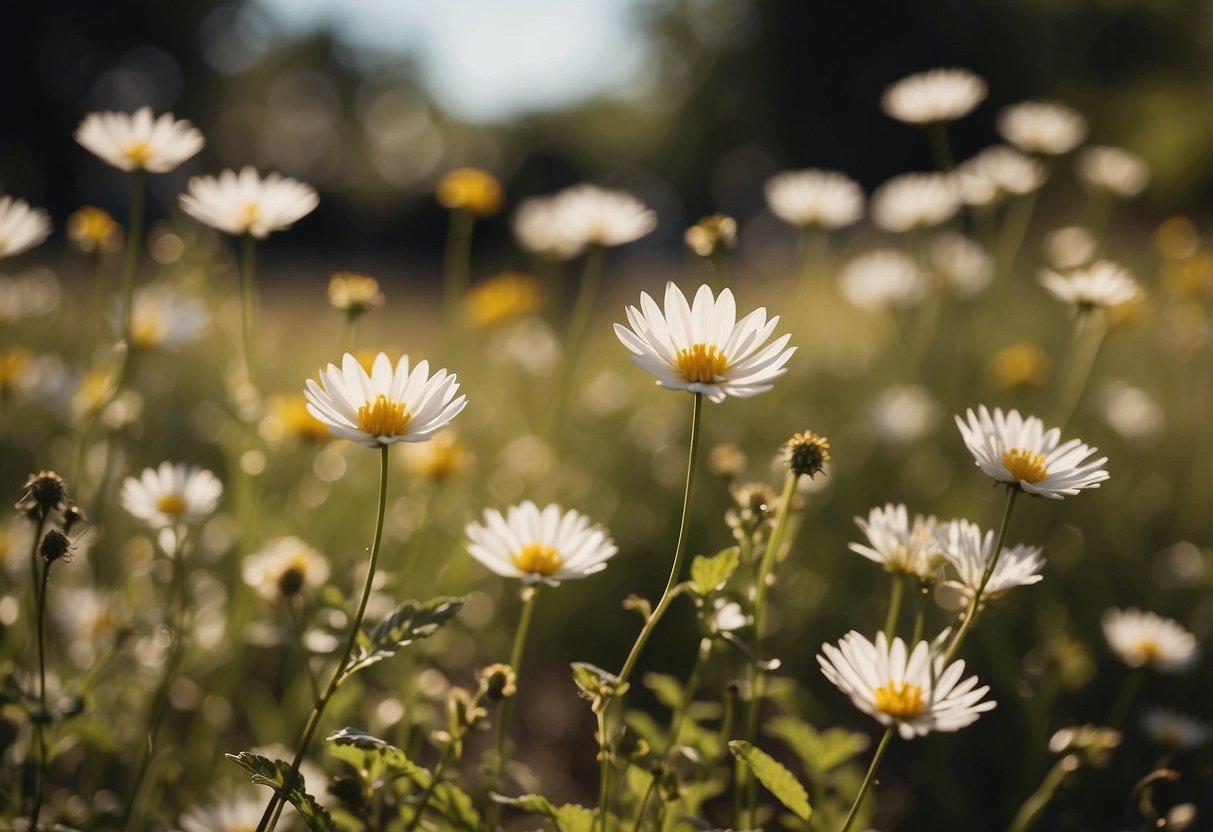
(943, 94)
(704, 348)
(244, 203)
(534, 544)
(814, 197)
(171, 494)
(1101, 285)
(904, 413)
(387, 405)
(997, 172)
(589, 215)
(969, 552)
(241, 814)
(1042, 127)
(162, 319)
(1175, 731)
(727, 616)
(915, 692)
(284, 568)
(883, 278)
(897, 544)
(21, 227)
(915, 200)
(1012, 449)
(139, 142)
(1069, 247)
(537, 229)
(1144, 639)
(963, 263)
(1113, 170)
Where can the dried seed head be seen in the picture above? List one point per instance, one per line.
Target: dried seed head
(44, 492)
(55, 546)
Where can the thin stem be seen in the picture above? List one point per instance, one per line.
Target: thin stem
(428, 792)
(1078, 366)
(1034, 805)
(248, 251)
(297, 632)
(890, 621)
(134, 248)
(975, 603)
(590, 276)
(867, 779)
(920, 612)
(941, 149)
(339, 672)
(1124, 699)
(457, 264)
(1014, 229)
(604, 771)
(718, 267)
(507, 707)
(40, 722)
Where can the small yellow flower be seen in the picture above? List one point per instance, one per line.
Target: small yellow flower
(1020, 365)
(14, 361)
(354, 294)
(502, 298)
(472, 189)
(1191, 278)
(289, 418)
(443, 458)
(93, 391)
(92, 229)
(1176, 238)
(711, 235)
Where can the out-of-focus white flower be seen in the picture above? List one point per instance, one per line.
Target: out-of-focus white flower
(704, 348)
(244, 203)
(727, 616)
(997, 172)
(1175, 731)
(899, 545)
(533, 544)
(231, 815)
(970, 552)
(914, 692)
(963, 263)
(1044, 127)
(812, 197)
(139, 142)
(171, 494)
(882, 278)
(1069, 247)
(1101, 285)
(21, 227)
(904, 413)
(1016, 450)
(943, 94)
(31, 295)
(1145, 639)
(915, 200)
(587, 215)
(537, 229)
(162, 319)
(1113, 170)
(1131, 411)
(284, 568)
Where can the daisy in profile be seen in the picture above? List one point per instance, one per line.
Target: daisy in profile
(883, 278)
(21, 227)
(1112, 170)
(971, 553)
(1175, 731)
(998, 172)
(915, 200)
(1019, 451)
(703, 348)
(1102, 285)
(171, 495)
(285, 568)
(139, 141)
(1043, 127)
(910, 690)
(244, 203)
(533, 544)
(815, 198)
(388, 405)
(898, 544)
(587, 215)
(961, 262)
(937, 95)
(536, 226)
(163, 320)
(1145, 639)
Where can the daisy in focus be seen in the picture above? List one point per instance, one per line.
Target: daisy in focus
(812, 197)
(704, 348)
(1102, 285)
(285, 568)
(897, 544)
(937, 95)
(388, 405)
(244, 203)
(913, 692)
(171, 494)
(21, 227)
(1043, 127)
(139, 142)
(970, 553)
(1145, 639)
(1016, 450)
(533, 544)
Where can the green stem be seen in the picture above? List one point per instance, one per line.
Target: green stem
(349, 332)
(718, 267)
(248, 249)
(40, 722)
(339, 672)
(867, 779)
(1124, 700)
(458, 260)
(134, 248)
(975, 603)
(507, 707)
(590, 276)
(297, 632)
(604, 772)
(890, 621)
(941, 149)
(1077, 369)
(435, 778)
(1034, 805)
(920, 612)
(1014, 230)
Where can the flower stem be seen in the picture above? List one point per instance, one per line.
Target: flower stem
(867, 779)
(248, 248)
(1034, 805)
(580, 319)
(507, 707)
(40, 722)
(941, 149)
(339, 672)
(890, 621)
(457, 263)
(1077, 366)
(134, 248)
(975, 603)
(1124, 699)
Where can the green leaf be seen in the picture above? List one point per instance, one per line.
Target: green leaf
(596, 684)
(454, 804)
(667, 689)
(819, 751)
(275, 774)
(777, 779)
(570, 817)
(357, 748)
(407, 623)
(708, 574)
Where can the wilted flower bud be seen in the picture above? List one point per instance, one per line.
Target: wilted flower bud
(92, 229)
(55, 546)
(727, 461)
(354, 294)
(499, 681)
(44, 492)
(1093, 743)
(712, 235)
(73, 515)
(806, 454)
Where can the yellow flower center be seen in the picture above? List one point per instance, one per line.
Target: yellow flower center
(383, 417)
(250, 212)
(1148, 651)
(13, 364)
(173, 504)
(1024, 465)
(138, 152)
(147, 332)
(538, 559)
(899, 700)
(702, 363)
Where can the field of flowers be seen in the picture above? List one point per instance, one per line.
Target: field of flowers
(909, 528)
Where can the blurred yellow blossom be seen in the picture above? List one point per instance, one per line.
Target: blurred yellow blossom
(14, 362)
(442, 458)
(92, 229)
(1176, 238)
(354, 294)
(1020, 365)
(288, 418)
(712, 234)
(472, 189)
(503, 297)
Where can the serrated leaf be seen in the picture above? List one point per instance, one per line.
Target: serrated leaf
(362, 745)
(570, 817)
(275, 773)
(819, 751)
(709, 574)
(454, 804)
(407, 623)
(777, 779)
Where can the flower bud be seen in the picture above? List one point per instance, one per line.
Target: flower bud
(806, 454)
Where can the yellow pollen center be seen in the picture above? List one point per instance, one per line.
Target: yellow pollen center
(1149, 651)
(1024, 465)
(249, 213)
(383, 417)
(538, 559)
(147, 332)
(899, 700)
(138, 152)
(173, 504)
(702, 363)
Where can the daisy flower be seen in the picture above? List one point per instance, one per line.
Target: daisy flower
(897, 544)
(970, 552)
(244, 203)
(233, 815)
(1101, 285)
(354, 294)
(162, 319)
(997, 172)
(537, 229)
(1069, 247)
(882, 278)
(1043, 127)
(1144, 639)
(1175, 731)
(171, 494)
(284, 568)
(388, 405)
(963, 263)
(704, 348)
(21, 227)
(534, 544)
(1012, 449)
(587, 215)
(812, 197)
(139, 142)
(1113, 170)
(937, 95)
(91, 229)
(913, 692)
(915, 200)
